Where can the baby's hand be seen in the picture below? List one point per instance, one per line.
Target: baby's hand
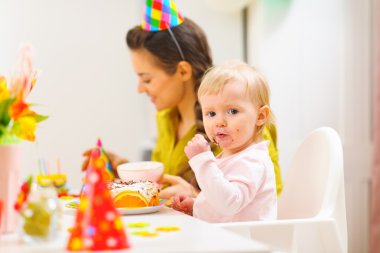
(196, 146)
(183, 204)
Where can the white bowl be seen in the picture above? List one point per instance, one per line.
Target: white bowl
(140, 171)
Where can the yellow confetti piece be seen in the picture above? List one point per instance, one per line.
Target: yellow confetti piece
(72, 205)
(66, 197)
(138, 225)
(70, 230)
(145, 233)
(167, 229)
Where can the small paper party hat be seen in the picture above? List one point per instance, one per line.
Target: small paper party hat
(108, 172)
(98, 225)
(103, 163)
(160, 15)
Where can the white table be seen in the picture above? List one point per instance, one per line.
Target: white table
(194, 236)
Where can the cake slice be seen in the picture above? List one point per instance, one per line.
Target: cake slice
(133, 194)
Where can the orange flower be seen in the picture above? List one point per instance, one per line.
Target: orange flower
(18, 109)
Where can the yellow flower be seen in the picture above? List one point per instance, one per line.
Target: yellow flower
(4, 92)
(24, 128)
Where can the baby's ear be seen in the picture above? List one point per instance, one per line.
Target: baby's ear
(263, 115)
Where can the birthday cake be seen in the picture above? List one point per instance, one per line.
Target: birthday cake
(133, 194)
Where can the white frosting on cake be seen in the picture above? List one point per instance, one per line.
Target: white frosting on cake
(145, 188)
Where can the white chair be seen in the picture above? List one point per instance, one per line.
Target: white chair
(311, 207)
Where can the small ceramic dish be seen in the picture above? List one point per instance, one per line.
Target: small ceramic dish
(140, 171)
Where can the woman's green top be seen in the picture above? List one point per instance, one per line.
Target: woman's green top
(172, 155)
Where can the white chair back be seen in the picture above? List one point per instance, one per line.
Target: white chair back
(312, 181)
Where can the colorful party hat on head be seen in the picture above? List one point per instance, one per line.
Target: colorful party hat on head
(160, 15)
(98, 225)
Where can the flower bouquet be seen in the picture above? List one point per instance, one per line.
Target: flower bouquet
(17, 120)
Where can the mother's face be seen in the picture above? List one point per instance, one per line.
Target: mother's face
(164, 90)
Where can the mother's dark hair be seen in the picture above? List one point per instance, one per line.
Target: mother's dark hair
(196, 51)
(191, 39)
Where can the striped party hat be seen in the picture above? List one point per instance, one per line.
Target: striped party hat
(160, 15)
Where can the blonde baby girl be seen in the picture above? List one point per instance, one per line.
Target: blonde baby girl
(239, 184)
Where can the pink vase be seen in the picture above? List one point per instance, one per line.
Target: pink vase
(1, 212)
(10, 167)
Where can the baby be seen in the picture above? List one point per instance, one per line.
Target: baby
(239, 184)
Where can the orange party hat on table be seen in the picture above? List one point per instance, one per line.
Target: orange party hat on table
(98, 225)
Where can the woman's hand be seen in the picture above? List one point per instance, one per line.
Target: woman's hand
(114, 159)
(177, 185)
(183, 204)
(196, 146)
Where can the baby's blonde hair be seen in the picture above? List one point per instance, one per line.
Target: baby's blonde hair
(218, 76)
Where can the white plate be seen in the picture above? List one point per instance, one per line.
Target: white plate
(70, 209)
(142, 210)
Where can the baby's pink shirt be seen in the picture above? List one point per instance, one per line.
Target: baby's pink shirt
(240, 187)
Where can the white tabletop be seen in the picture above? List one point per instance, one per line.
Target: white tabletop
(194, 236)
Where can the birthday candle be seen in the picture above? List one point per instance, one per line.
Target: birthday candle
(47, 167)
(40, 166)
(58, 166)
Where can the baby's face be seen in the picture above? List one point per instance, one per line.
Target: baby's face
(230, 117)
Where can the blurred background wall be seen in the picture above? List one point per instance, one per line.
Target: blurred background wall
(319, 59)
(86, 84)
(317, 55)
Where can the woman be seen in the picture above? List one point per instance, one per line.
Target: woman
(170, 64)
